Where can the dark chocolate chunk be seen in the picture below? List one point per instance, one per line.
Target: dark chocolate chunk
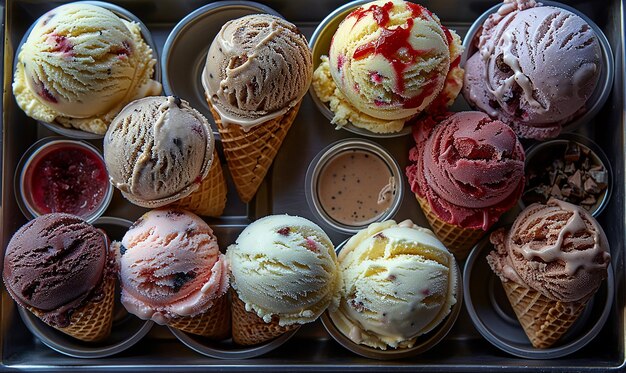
(181, 278)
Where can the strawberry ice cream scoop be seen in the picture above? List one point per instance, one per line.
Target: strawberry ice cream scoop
(468, 166)
(170, 266)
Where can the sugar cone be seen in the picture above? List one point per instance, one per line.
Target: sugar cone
(210, 198)
(250, 329)
(214, 324)
(457, 239)
(544, 320)
(92, 321)
(250, 154)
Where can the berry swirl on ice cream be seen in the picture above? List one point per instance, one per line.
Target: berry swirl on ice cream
(170, 266)
(468, 166)
(80, 65)
(558, 249)
(388, 61)
(398, 282)
(535, 68)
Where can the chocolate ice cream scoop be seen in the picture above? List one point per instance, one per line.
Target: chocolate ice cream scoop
(56, 263)
(558, 249)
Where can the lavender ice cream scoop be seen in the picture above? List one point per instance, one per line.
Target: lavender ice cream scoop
(535, 69)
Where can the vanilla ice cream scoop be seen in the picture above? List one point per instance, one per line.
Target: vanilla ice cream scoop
(398, 282)
(389, 60)
(79, 62)
(257, 68)
(285, 266)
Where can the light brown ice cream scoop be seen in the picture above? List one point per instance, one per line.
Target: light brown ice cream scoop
(158, 150)
(257, 68)
(558, 249)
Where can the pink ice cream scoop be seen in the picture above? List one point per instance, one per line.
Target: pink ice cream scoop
(468, 166)
(535, 68)
(558, 249)
(170, 266)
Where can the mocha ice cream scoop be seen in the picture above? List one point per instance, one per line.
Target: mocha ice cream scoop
(158, 150)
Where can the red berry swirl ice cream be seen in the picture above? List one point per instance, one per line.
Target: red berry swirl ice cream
(389, 61)
(170, 266)
(468, 167)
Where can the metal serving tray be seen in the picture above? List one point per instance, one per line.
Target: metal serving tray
(283, 192)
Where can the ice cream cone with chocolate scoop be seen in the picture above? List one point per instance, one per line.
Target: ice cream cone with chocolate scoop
(284, 274)
(60, 268)
(551, 262)
(257, 71)
(466, 170)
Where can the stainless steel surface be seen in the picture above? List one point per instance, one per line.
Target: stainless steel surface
(605, 82)
(463, 349)
(324, 156)
(541, 155)
(320, 44)
(493, 316)
(227, 349)
(122, 13)
(23, 171)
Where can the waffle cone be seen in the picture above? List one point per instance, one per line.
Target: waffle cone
(214, 324)
(210, 198)
(457, 239)
(92, 321)
(250, 329)
(544, 320)
(250, 154)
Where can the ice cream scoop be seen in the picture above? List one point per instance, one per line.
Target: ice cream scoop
(55, 264)
(398, 282)
(535, 68)
(257, 68)
(558, 249)
(170, 266)
(389, 61)
(80, 65)
(284, 266)
(158, 150)
(469, 168)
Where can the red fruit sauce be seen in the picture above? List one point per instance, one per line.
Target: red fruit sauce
(69, 179)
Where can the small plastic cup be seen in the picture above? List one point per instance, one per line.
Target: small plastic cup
(32, 189)
(320, 46)
(605, 82)
(424, 342)
(541, 155)
(186, 48)
(493, 316)
(75, 133)
(327, 212)
(126, 330)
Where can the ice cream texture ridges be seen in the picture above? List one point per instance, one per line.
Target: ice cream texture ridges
(398, 282)
(535, 68)
(257, 68)
(557, 249)
(284, 266)
(80, 65)
(389, 61)
(55, 264)
(158, 150)
(170, 266)
(468, 166)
